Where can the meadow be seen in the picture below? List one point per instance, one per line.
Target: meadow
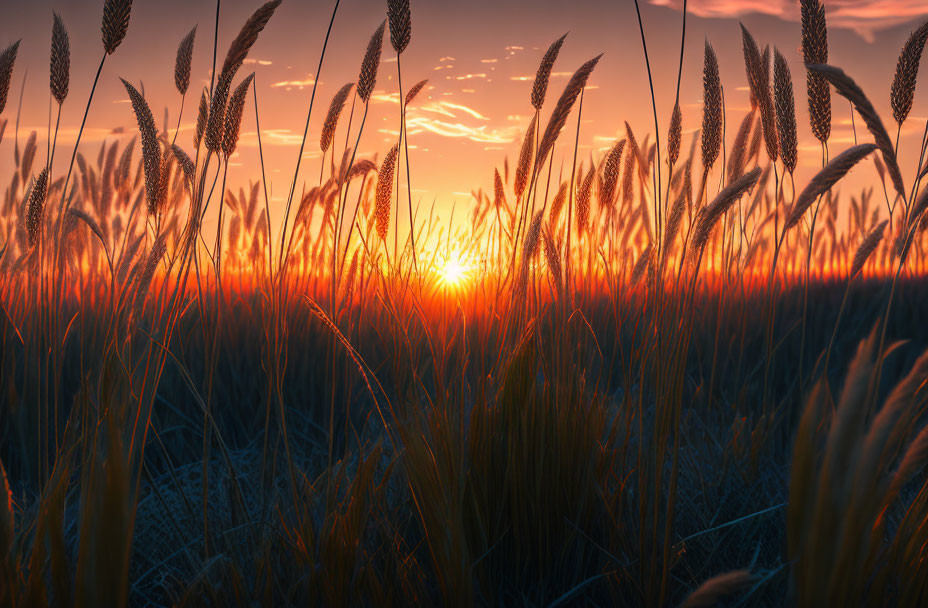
(668, 374)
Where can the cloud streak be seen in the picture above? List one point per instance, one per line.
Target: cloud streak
(862, 16)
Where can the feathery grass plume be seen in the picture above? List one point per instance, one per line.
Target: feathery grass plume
(202, 114)
(7, 59)
(148, 273)
(758, 70)
(714, 590)
(400, 24)
(583, 201)
(786, 111)
(902, 93)
(611, 167)
(368, 76)
(825, 179)
(115, 23)
(499, 193)
(628, 177)
(331, 119)
(186, 164)
(526, 155)
(151, 152)
(25, 167)
(849, 89)
(35, 212)
(557, 205)
(385, 192)
(722, 203)
(246, 39)
(675, 135)
(234, 116)
(543, 75)
(235, 57)
(552, 257)
(674, 220)
(712, 109)
(644, 260)
(361, 167)
(867, 247)
(83, 216)
(532, 240)
(60, 69)
(412, 93)
(562, 109)
(815, 51)
(738, 157)
(121, 174)
(184, 61)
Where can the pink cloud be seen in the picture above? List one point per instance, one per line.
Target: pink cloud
(862, 16)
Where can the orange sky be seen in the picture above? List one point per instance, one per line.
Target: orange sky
(480, 57)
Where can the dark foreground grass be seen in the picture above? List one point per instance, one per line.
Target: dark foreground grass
(550, 476)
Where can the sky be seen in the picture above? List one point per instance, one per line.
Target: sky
(480, 57)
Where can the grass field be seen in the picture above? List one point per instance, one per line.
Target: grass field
(668, 375)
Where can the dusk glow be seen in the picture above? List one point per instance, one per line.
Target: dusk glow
(427, 303)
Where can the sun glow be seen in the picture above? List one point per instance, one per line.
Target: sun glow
(454, 271)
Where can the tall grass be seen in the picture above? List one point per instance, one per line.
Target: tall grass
(607, 408)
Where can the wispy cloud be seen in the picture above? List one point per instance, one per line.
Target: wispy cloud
(295, 84)
(532, 76)
(862, 16)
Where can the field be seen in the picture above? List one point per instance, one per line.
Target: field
(667, 374)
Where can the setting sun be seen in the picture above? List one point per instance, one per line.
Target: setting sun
(454, 272)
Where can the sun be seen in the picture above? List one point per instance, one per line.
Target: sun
(453, 272)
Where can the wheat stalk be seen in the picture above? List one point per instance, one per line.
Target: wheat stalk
(722, 203)
(115, 23)
(583, 201)
(331, 119)
(60, 68)
(675, 135)
(414, 91)
(526, 154)
(7, 59)
(499, 193)
(368, 76)
(611, 168)
(849, 89)
(825, 179)
(202, 117)
(738, 157)
(758, 71)
(385, 192)
(815, 51)
(902, 93)
(151, 153)
(786, 111)
(235, 57)
(234, 116)
(562, 109)
(35, 212)
(543, 74)
(866, 248)
(674, 220)
(712, 109)
(183, 63)
(400, 24)
(148, 273)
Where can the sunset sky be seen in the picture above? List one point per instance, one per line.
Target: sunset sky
(480, 57)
